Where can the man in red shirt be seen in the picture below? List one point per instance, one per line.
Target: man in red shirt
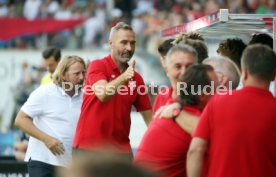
(238, 130)
(178, 59)
(165, 144)
(112, 87)
(228, 76)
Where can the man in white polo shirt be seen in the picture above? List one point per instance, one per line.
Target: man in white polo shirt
(50, 116)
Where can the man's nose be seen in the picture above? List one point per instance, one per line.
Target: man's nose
(81, 76)
(128, 47)
(183, 69)
(50, 69)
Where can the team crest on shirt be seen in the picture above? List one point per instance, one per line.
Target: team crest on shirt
(112, 77)
(132, 85)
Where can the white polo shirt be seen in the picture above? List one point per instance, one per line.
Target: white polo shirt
(55, 113)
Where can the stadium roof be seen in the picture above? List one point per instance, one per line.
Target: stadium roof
(222, 25)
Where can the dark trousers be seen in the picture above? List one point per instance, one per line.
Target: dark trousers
(40, 169)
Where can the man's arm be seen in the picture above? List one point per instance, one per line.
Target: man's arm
(147, 116)
(25, 123)
(185, 120)
(195, 157)
(105, 90)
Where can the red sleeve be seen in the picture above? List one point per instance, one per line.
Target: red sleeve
(142, 102)
(96, 71)
(203, 128)
(162, 99)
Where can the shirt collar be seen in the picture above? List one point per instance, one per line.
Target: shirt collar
(258, 90)
(65, 94)
(61, 90)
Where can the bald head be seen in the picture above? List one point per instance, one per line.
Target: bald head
(226, 70)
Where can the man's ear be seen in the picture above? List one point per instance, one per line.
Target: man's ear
(163, 62)
(224, 80)
(203, 100)
(244, 75)
(64, 76)
(110, 43)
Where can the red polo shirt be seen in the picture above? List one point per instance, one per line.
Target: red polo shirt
(241, 131)
(163, 97)
(164, 147)
(108, 124)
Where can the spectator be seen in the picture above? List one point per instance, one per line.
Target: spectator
(51, 57)
(21, 147)
(64, 11)
(232, 48)
(31, 9)
(262, 38)
(92, 22)
(4, 10)
(49, 8)
(163, 49)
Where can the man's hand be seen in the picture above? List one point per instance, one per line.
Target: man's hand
(166, 111)
(105, 90)
(25, 123)
(185, 120)
(129, 73)
(54, 145)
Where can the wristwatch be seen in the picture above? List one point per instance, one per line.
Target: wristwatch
(175, 113)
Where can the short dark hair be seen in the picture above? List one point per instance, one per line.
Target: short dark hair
(181, 48)
(195, 36)
(232, 48)
(260, 61)
(185, 36)
(200, 47)
(165, 46)
(119, 26)
(195, 77)
(52, 52)
(262, 39)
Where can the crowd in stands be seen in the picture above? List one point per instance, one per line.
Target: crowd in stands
(147, 17)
